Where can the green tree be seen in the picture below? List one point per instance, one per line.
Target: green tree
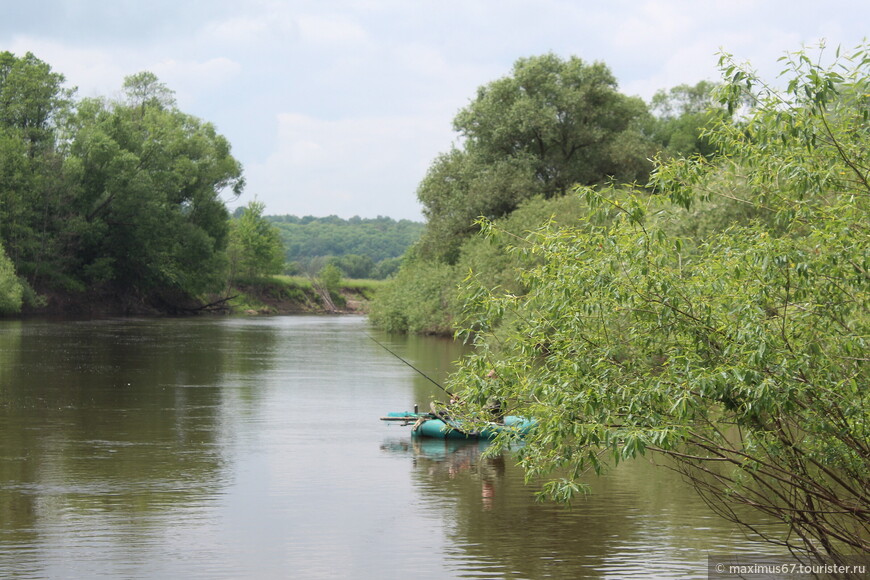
(563, 117)
(11, 291)
(420, 299)
(386, 268)
(330, 277)
(147, 218)
(681, 116)
(551, 124)
(526, 138)
(354, 265)
(374, 238)
(327, 284)
(255, 247)
(119, 199)
(742, 356)
(423, 295)
(32, 99)
(459, 187)
(144, 89)
(34, 109)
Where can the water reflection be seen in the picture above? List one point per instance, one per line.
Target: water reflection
(640, 521)
(105, 425)
(221, 448)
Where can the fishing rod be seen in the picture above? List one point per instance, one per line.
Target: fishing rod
(430, 379)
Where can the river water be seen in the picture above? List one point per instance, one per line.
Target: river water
(251, 448)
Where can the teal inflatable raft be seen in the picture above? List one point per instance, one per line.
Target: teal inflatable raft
(430, 425)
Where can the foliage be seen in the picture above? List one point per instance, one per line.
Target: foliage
(255, 248)
(330, 277)
(147, 209)
(682, 114)
(741, 355)
(34, 107)
(110, 198)
(527, 138)
(386, 268)
(354, 265)
(561, 116)
(32, 99)
(459, 188)
(11, 291)
(419, 299)
(549, 125)
(361, 247)
(413, 301)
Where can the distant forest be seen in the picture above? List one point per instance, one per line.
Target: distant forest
(361, 247)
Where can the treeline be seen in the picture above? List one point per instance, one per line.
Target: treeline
(526, 141)
(114, 202)
(711, 306)
(360, 247)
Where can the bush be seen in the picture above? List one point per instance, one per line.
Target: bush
(11, 290)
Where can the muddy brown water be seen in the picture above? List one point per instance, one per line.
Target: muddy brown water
(251, 448)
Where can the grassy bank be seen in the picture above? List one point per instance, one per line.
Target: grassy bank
(298, 294)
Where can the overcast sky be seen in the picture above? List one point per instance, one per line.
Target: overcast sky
(339, 106)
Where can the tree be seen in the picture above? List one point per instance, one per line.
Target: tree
(354, 265)
(682, 114)
(423, 296)
(459, 188)
(11, 291)
(561, 116)
(419, 300)
(327, 284)
(32, 98)
(742, 356)
(34, 109)
(147, 217)
(120, 199)
(549, 125)
(144, 89)
(255, 247)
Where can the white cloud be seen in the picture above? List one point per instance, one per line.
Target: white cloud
(190, 78)
(353, 166)
(331, 30)
(374, 84)
(96, 72)
(247, 31)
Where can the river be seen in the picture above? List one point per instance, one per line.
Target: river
(251, 448)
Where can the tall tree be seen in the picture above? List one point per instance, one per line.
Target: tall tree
(681, 116)
(32, 97)
(34, 107)
(255, 247)
(551, 124)
(564, 117)
(144, 89)
(149, 216)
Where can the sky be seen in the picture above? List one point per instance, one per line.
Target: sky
(338, 107)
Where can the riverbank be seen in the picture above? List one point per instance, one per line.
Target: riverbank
(267, 296)
(298, 295)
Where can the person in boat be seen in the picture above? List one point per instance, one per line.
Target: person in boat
(441, 410)
(495, 407)
(496, 410)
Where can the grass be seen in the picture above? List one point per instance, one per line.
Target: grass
(285, 294)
